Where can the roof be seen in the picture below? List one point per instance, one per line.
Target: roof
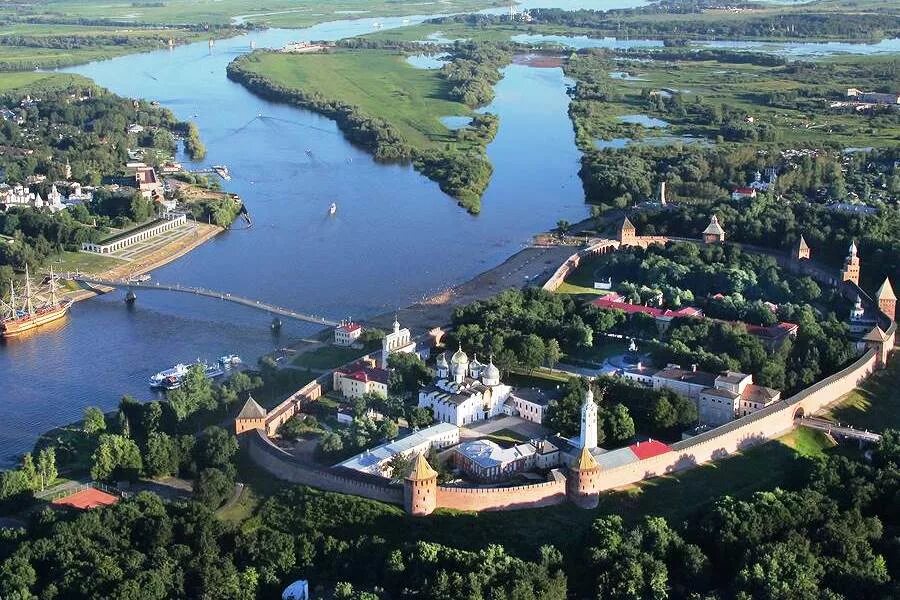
(360, 371)
(732, 377)
(714, 228)
(886, 292)
(615, 458)
(370, 460)
(585, 461)
(744, 190)
(688, 376)
(615, 301)
(876, 335)
(349, 327)
(720, 393)
(760, 394)
(626, 224)
(252, 410)
(803, 244)
(421, 470)
(648, 449)
(537, 395)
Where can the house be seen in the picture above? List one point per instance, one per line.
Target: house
(346, 333)
(614, 301)
(742, 193)
(135, 128)
(772, 336)
(733, 395)
(529, 403)
(359, 379)
(147, 182)
(687, 382)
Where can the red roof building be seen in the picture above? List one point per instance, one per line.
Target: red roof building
(86, 499)
(648, 449)
(616, 302)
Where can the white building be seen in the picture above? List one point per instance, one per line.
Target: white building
(465, 393)
(347, 333)
(733, 395)
(397, 341)
(587, 438)
(374, 461)
(529, 404)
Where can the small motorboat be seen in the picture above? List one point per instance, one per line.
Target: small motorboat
(332, 209)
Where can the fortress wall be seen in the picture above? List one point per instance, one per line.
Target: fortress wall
(745, 432)
(571, 263)
(291, 406)
(510, 498)
(284, 466)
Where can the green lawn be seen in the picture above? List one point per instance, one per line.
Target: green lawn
(327, 357)
(381, 83)
(36, 83)
(875, 405)
(86, 262)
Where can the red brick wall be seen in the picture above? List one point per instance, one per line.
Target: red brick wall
(511, 498)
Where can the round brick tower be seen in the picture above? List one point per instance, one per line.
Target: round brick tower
(583, 484)
(420, 488)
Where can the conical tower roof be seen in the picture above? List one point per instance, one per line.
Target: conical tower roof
(876, 335)
(626, 224)
(803, 244)
(252, 410)
(714, 228)
(885, 292)
(586, 461)
(421, 470)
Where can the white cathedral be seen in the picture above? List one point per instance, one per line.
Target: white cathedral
(464, 392)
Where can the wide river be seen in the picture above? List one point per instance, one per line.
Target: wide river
(395, 237)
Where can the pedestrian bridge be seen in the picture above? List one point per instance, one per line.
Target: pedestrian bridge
(838, 430)
(199, 291)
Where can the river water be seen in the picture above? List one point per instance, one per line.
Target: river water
(395, 236)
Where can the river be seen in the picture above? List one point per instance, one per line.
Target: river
(395, 236)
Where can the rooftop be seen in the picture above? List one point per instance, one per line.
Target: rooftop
(537, 395)
(361, 371)
(676, 373)
(370, 460)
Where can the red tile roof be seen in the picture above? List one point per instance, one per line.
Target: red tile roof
(349, 327)
(362, 372)
(648, 449)
(614, 301)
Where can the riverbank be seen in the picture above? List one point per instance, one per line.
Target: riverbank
(200, 234)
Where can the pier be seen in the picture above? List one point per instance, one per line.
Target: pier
(198, 291)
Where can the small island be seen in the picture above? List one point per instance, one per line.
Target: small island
(391, 108)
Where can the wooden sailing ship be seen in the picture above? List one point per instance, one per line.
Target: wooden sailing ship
(38, 305)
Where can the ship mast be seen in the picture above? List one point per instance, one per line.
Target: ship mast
(52, 288)
(28, 303)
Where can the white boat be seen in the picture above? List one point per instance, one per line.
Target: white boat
(332, 209)
(230, 360)
(177, 372)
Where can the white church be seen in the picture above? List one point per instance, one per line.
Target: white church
(464, 392)
(396, 342)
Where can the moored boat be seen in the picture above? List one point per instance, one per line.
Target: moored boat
(34, 309)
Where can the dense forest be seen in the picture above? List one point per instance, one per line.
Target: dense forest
(833, 533)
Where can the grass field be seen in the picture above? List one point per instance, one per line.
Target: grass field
(35, 83)
(874, 406)
(280, 13)
(327, 357)
(86, 262)
(381, 83)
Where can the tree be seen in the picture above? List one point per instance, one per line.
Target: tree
(408, 373)
(215, 448)
(152, 417)
(387, 429)
(46, 466)
(116, 455)
(553, 353)
(563, 226)
(399, 466)
(162, 456)
(618, 424)
(94, 420)
(212, 487)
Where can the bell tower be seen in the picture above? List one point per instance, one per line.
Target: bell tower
(850, 272)
(588, 437)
